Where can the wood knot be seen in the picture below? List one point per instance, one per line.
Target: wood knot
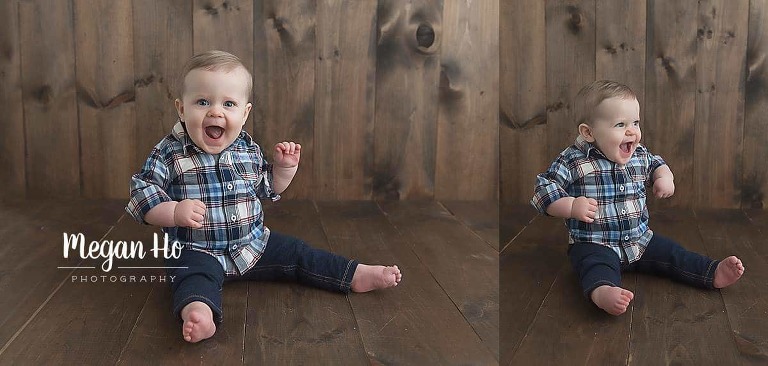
(576, 20)
(426, 39)
(44, 94)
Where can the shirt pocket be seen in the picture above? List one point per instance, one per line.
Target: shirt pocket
(251, 174)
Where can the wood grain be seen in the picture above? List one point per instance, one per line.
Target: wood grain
(12, 142)
(668, 129)
(523, 149)
(407, 77)
(527, 269)
(464, 266)
(101, 313)
(225, 25)
(105, 96)
(722, 41)
(288, 30)
(570, 40)
(669, 317)
(344, 101)
(32, 232)
(754, 185)
(162, 42)
(48, 88)
(482, 217)
(728, 233)
(620, 48)
(469, 93)
(413, 323)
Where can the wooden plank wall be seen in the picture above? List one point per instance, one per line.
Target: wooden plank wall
(89, 88)
(697, 66)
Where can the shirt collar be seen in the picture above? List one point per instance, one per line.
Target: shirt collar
(180, 133)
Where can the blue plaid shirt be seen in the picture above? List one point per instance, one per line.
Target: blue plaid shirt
(621, 221)
(230, 184)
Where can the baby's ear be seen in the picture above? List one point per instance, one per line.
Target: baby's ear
(179, 108)
(586, 132)
(247, 112)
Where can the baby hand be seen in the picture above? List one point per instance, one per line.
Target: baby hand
(663, 187)
(287, 154)
(189, 213)
(584, 209)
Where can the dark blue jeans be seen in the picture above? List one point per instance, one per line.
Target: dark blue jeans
(598, 265)
(285, 258)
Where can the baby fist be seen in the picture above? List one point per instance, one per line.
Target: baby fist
(663, 187)
(189, 213)
(287, 154)
(584, 209)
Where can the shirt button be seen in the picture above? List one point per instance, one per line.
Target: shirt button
(621, 188)
(234, 247)
(230, 186)
(626, 237)
(233, 217)
(623, 212)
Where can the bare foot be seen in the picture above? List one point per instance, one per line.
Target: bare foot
(614, 300)
(728, 271)
(369, 278)
(198, 322)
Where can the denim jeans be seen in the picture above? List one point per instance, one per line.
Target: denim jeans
(284, 259)
(598, 265)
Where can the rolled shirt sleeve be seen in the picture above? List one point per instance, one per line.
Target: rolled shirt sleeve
(148, 187)
(551, 185)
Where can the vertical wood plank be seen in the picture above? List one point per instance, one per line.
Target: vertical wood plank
(12, 144)
(670, 90)
(467, 165)
(287, 40)
(162, 37)
(225, 25)
(406, 98)
(105, 91)
(48, 90)
(570, 65)
(344, 102)
(720, 76)
(620, 48)
(754, 185)
(522, 100)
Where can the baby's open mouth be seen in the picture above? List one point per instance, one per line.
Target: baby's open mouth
(626, 147)
(214, 132)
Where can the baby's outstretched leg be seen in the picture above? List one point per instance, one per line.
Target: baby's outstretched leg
(728, 271)
(614, 300)
(369, 278)
(198, 322)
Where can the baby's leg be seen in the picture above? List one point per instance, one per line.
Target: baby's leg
(289, 258)
(599, 271)
(667, 258)
(728, 271)
(196, 293)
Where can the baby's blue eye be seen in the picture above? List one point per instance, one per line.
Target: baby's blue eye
(637, 123)
(620, 124)
(202, 102)
(229, 103)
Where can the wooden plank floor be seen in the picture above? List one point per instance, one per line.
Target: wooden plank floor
(446, 310)
(546, 321)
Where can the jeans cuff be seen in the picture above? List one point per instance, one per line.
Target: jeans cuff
(710, 274)
(346, 280)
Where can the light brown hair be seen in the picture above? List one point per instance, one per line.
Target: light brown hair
(594, 93)
(213, 60)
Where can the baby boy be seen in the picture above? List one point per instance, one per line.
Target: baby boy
(598, 185)
(202, 184)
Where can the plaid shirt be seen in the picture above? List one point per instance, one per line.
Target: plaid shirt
(621, 221)
(230, 184)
